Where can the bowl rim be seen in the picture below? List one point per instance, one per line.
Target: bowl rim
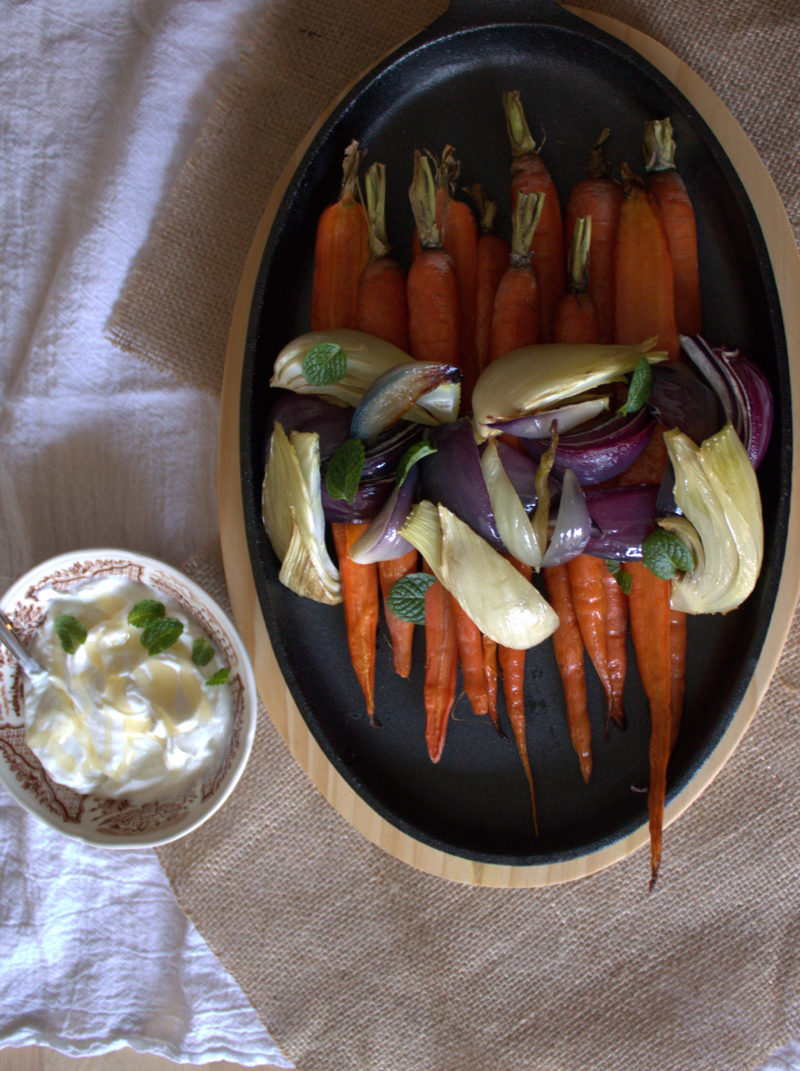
(223, 619)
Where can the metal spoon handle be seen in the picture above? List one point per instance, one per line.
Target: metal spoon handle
(11, 640)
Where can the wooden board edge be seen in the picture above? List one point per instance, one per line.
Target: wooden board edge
(238, 572)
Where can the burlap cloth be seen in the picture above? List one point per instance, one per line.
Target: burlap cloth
(353, 959)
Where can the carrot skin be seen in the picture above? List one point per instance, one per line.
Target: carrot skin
(529, 174)
(568, 648)
(516, 318)
(650, 631)
(616, 646)
(678, 218)
(470, 654)
(586, 584)
(360, 600)
(441, 666)
(493, 259)
(401, 632)
(382, 303)
(677, 647)
(650, 465)
(644, 303)
(600, 198)
(490, 676)
(434, 308)
(512, 665)
(460, 240)
(576, 319)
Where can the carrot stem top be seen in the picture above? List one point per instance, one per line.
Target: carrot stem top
(524, 221)
(350, 166)
(375, 187)
(422, 194)
(599, 165)
(578, 260)
(658, 145)
(519, 134)
(487, 210)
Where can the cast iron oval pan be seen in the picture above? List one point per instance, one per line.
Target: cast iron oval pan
(445, 86)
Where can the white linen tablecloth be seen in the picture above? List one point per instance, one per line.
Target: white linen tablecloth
(99, 104)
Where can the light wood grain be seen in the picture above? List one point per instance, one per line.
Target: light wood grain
(275, 695)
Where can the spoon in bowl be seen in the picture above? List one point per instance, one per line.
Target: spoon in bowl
(11, 640)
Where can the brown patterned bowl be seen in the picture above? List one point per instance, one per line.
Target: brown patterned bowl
(117, 823)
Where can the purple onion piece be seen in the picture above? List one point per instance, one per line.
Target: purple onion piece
(306, 412)
(622, 518)
(368, 502)
(453, 477)
(382, 540)
(521, 470)
(758, 402)
(600, 453)
(680, 399)
(391, 396)
(381, 457)
(538, 425)
(572, 525)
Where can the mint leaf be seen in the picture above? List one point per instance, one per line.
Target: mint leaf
(70, 632)
(639, 388)
(623, 578)
(202, 651)
(665, 554)
(220, 677)
(344, 470)
(161, 634)
(413, 454)
(324, 364)
(145, 612)
(407, 597)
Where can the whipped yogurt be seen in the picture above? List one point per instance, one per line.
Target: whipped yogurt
(113, 720)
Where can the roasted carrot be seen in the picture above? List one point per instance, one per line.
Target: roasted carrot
(529, 174)
(490, 676)
(650, 631)
(382, 306)
(401, 632)
(644, 300)
(616, 646)
(340, 252)
(650, 465)
(360, 601)
(441, 665)
(586, 585)
(470, 654)
(460, 239)
(434, 304)
(568, 647)
(666, 185)
(493, 258)
(677, 650)
(576, 316)
(516, 316)
(512, 665)
(600, 197)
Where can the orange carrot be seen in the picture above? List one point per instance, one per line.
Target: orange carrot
(401, 632)
(529, 174)
(666, 185)
(616, 646)
(650, 465)
(512, 664)
(470, 653)
(490, 676)
(650, 631)
(568, 647)
(360, 600)
(600, 197)
(441, 665)
(460, 240)
(586, 585)
(434, 304)
(677, 648)
(340, 252)
(576, 316)
(382, 307)
(645, 293)
(493, 259)
(516, 316)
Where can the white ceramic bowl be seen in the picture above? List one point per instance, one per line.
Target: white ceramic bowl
(116, 823)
